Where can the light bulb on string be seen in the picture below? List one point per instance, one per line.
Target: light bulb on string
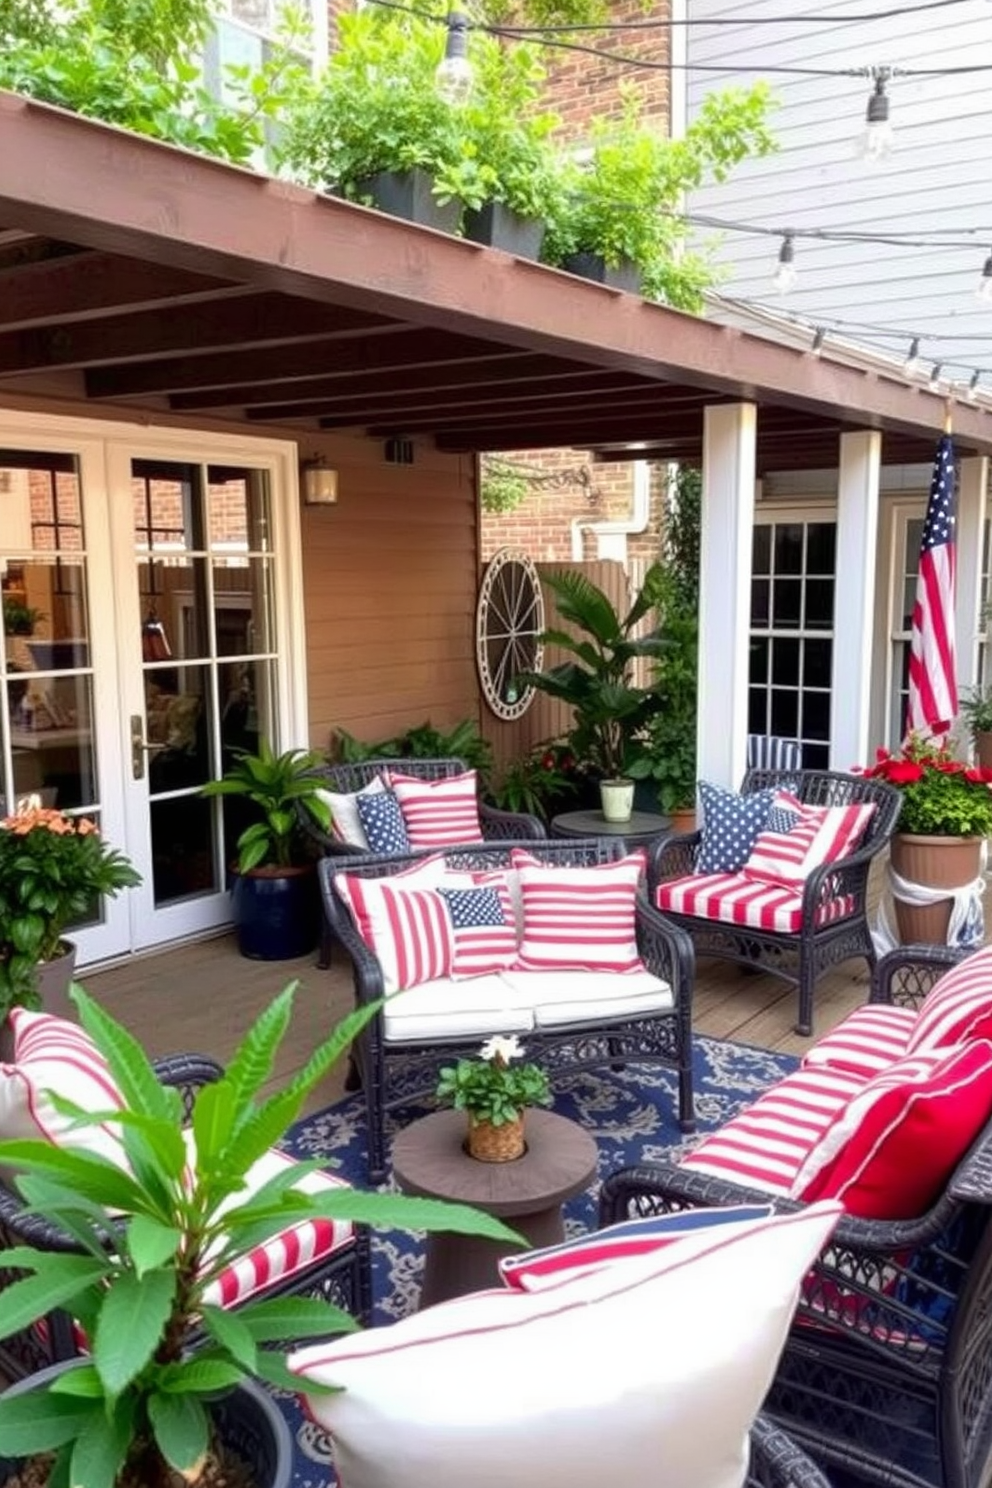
(972, 392)
(983, 290)
(785, 273)
(912, 362)
(455, 74)
(819, 337)
(877, 138)
(935, 372)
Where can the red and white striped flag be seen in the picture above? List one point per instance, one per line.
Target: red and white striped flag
(933, 690)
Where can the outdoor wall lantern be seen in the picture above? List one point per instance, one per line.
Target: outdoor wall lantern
(320, 482)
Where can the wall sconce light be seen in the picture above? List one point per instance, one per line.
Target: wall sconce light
(320, 482)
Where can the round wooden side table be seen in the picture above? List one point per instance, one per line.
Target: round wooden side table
(429, 1160)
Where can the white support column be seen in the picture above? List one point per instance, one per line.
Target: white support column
(725, 590)
(854, 597)
(970, 529)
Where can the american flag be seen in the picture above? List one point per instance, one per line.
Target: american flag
(933, 691)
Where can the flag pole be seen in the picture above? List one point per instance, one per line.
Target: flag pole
(949, 416)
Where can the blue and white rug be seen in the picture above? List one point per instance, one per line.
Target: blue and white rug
(631, 1115)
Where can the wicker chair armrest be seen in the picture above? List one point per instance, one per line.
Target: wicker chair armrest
(667, 951)
(369, 985)
(904, 976)
(778, 1462)
(672, 857)
(510, 824)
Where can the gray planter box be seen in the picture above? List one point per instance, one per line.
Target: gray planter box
(498, 227)
(626, 276)
(408, 194)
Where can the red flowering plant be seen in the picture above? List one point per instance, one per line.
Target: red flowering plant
(53, 870)
(941, 796)
(540, 782)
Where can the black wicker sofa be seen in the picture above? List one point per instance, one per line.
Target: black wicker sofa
(831, 923)
(397, 1070)
(886, 1377)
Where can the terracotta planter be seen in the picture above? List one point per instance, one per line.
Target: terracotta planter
(683, 820)
(935, 862)
(54, 978)
(983, 750)
(488, 1143)
(617, 799)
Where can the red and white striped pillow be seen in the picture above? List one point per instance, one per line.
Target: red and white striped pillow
(403, 920)
(891, 1151)
(439, 813)
(480, 945)
(52, 1054)
(579, 919)
(958, 1007)
(823, 834)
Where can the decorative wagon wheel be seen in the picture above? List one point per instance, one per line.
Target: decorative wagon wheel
(509, 619)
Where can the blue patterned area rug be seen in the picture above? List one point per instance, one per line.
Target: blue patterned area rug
(629, 1112)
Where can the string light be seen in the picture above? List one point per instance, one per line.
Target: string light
(935, 372)
(984, 289)
(877, 138)
(912, 362)
(785, 273)
(455, 74)
(819, 336)
(972, 392)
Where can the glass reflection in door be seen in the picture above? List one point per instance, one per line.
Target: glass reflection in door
(204, 565)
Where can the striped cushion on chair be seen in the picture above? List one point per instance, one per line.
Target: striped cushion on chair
(439, 813)
(867, 1041)
(823, 834)
(958, 1007)
(737, 900)
(53, 1053)
(580, 919)
(766, 1146)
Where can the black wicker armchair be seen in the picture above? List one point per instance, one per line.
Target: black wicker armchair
(776, 1461)
(344, 1277)
(887, 1371)
(823, 939)
(345, 779)
(395, 1073)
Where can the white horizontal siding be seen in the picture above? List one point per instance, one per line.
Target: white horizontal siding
(939, 175)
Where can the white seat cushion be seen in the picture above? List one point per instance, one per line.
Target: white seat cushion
(868, 1040)
(645, 1372)
(446, 1009)
(766, 1145)
(559, 997)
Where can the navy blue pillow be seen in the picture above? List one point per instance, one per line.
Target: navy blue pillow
(731, 826)
(383, 822)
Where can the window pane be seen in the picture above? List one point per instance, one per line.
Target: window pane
(821, 546)
(760, 603)
(785, 713)
(787, 602)
(785, 662)
(820, 604)
(817, 663)
(789, 548)
(757, 704)
(816, 715)
(759, 660)
(761, 550)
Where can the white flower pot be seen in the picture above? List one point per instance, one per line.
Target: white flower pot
(617, 798)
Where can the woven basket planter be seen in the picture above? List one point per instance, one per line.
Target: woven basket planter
(490, 1143)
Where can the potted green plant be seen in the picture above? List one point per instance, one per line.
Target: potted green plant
(19, 619)
(946, 816)
(609, 709)
(495, 1093)
(145, 1240)
(373, 127)
(668, 759)
(541, 783)
(274, 890)
(54, 869)
(975, 707)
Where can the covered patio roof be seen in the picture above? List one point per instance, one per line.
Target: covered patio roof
(136, 274)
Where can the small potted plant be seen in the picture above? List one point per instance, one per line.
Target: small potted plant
(975, 708)
(146, 1238)
(495, 1093)
(19, 619)
(274, 891)
(53, 870)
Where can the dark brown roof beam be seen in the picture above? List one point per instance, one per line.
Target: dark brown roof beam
(429, 409)
(84, 286)
(260, 320)
(392, 350)
(602, 420)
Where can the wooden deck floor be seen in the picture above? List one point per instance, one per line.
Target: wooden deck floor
(202, 997)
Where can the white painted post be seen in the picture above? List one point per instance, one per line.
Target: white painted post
(854, 597)
(725, 590)
(970, 529)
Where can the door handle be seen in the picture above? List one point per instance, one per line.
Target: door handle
(139, 748)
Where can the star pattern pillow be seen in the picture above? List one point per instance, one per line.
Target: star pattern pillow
(731, 826)
(383, 824)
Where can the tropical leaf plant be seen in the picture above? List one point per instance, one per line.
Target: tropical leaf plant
(278, 785)
(151, 1236)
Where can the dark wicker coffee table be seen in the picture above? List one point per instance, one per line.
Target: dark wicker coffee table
(640, 827)
(429, 1160)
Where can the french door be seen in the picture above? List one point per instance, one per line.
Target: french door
(150, 608)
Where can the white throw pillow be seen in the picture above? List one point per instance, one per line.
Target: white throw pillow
(346, 823)
(648, 1371)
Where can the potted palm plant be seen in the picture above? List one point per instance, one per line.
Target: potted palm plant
(168, 1374)
(274, 889)
(975, 707)
(609, 709)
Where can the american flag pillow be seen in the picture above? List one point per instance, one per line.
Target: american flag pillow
(818, 835)
(439, 813)
(483, 932)
(579, 919)
(406, 925)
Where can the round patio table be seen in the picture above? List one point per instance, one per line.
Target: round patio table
(429, 1160)
(640, 827)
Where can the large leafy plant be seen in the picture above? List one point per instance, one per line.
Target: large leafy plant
(278, 785)
(151, 1235)
(53, 870)
(941, 796)
(423, 741)
(597, 681)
